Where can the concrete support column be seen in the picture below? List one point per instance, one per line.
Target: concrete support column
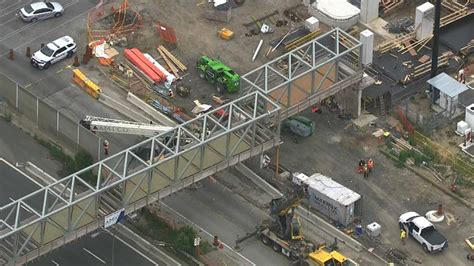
(350, 99)
(424, 20)
(367, 40)
(369, 10)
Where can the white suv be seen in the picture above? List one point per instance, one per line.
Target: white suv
(53, 52)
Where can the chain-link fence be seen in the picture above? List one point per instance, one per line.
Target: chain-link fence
(48, 121)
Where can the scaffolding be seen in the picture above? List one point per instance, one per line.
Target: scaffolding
(113, 23)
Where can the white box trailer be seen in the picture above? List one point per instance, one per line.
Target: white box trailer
(331, 198)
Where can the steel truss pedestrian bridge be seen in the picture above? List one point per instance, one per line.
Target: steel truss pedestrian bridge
(146, 172)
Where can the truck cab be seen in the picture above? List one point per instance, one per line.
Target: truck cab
(423, 231)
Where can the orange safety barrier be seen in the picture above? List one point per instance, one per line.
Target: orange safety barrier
(90, 87)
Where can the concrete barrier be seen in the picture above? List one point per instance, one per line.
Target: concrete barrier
(123, 109)
(161, 118)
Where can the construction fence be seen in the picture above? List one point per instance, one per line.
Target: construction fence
(428, 123)
(48, 122)
(458, 164)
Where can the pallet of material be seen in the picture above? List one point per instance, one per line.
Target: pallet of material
(147, 81)
(424, 59)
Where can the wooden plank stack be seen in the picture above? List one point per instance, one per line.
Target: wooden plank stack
(173, 63)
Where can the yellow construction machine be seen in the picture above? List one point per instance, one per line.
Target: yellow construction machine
(283, 233)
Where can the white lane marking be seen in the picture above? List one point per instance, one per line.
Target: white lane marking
(95, 256)
(8, 7)
(145, 241)
(13, 18)
(18, 31)
(55, 263)
(207, 233)
(132, 248)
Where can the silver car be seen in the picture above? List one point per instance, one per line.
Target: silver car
(41, 10)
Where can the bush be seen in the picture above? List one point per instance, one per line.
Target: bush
(403, 156)
(184, 239)
(83, 159)
(206, 247)
(70, 165)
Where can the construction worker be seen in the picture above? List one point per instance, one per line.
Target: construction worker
(215, 242)
(461, 77)
(366, 171)
(106, 147)
(361, 166)
(403, 235)
(370, 164)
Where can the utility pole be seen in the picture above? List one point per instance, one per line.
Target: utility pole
(434, 54)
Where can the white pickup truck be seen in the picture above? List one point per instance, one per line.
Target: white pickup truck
(423, 231)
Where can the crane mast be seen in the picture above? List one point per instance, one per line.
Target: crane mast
(99, 124)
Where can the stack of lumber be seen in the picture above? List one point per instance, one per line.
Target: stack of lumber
(302, 40)
(391, 44)
(173, 63)
(390, 5)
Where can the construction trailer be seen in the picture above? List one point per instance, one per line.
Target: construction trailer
(330, 198)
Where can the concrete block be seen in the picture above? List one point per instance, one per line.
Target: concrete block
(367, 40)
(311, 24)
(369, 10)
(161, 118)
(424, 19)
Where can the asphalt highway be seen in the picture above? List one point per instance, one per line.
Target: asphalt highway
(54, 85)
(94, 249)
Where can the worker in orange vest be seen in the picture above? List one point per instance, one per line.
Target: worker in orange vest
(370, 165)
(360, 169)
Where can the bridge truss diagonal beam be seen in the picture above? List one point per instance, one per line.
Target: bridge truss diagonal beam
(127, 177)
(319, 67)
(163, 164)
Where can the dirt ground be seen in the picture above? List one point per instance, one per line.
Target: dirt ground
(388, 192)
(197, 36)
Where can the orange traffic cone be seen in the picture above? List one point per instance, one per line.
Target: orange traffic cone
(28, 52)
(11, 55)
(76, 62)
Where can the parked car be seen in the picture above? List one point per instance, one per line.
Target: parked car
(53, 52)
(423, 231)
(41, 10)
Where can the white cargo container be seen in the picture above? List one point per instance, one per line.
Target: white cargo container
(331, 198)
